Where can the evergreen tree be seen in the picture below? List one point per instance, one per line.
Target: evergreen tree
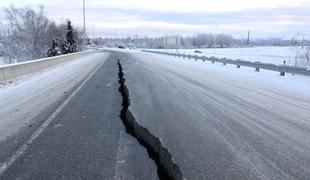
(64, 47)
(54, 51)
(69, 45)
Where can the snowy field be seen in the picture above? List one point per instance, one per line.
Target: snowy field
(267, 54)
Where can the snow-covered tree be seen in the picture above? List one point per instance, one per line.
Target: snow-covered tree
(69, 45)
(27, 32)
(224, 40)
(55, 50)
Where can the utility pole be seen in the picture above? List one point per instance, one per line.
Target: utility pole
(84, 16)
(248, 42)
(93, 41)
(114, 32)
(84, 27)
(93, 31)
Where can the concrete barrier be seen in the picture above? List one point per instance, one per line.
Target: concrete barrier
(2, 77)
(12, 71)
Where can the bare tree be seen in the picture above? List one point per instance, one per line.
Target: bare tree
(224, 40)
(302, 57)
(211, 40)
(30, 34)
(27, 34)
(28, 30)
(8, 47)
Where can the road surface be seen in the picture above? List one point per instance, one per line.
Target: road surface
(87, 139)
(214, 123)
(217, 125)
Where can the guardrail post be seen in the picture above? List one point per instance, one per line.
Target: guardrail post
(257, 69)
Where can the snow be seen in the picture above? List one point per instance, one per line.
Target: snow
(290, 84)
(25, 98)
(266, 54)
(37, 60)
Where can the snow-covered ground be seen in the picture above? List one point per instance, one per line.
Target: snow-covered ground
(23, 99)
(267, 54)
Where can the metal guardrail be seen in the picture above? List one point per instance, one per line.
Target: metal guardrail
(257, 65)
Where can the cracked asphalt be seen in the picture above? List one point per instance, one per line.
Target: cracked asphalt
(214, 125)
(217, 125)
(87, 139)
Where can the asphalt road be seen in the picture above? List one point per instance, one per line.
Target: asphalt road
(87, 139)
(28, 101)
(214, 125)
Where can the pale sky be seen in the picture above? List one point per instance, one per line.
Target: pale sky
(264, 18)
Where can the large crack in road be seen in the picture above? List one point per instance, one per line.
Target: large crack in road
(166, 168)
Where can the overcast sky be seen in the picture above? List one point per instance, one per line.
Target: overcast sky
(264, 18)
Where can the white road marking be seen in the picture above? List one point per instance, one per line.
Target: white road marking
(122, 156)
(4, 166)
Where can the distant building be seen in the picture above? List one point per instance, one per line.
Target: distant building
(172, 42)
